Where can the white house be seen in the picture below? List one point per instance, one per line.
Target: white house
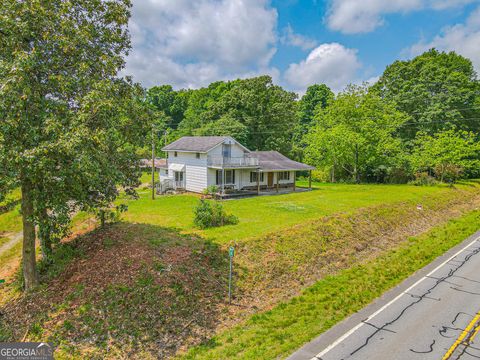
(197, 162)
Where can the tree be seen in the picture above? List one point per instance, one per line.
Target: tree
(316, 97)
(225, 126)
(69, 125)
(265, 109)
(438, 90)
(354, 137)
(447, 154)
(169, 102)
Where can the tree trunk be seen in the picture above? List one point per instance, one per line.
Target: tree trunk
(44, 235)
(30, 274)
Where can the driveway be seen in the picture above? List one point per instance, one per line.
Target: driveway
(435, 314)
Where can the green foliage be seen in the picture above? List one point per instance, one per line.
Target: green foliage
(447, 154)
(283, 329)
(225, 126)
(110, 215)
(259, 114)
(354, 137)
(438, 90)
(211, 214)
(212, 190)
(317, 97)
(70, 126)
(423, 179)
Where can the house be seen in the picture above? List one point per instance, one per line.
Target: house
(197, 162)
(146, 164)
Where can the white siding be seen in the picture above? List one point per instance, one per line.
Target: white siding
(237, 151)
(195, 169)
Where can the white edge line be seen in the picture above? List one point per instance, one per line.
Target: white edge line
(359, 325)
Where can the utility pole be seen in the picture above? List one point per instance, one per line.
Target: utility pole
(153, 162)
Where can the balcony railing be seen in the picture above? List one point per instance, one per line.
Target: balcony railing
(220, 161)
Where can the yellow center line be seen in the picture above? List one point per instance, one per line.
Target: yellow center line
(463, 335)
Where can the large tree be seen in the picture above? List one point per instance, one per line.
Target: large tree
(447, 154)
(69, 124)
(316, 97)
(354, 137)
(438, 90)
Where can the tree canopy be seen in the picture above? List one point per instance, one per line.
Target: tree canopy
(70, 126)
(354, 137)
(438, 90)
(262, 115)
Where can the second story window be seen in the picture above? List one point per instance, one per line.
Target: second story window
(227, 150)
(175, 154)
(197, 155)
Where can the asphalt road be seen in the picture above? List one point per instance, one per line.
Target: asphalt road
(435, 314)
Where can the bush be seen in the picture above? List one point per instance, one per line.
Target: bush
(211, 191)
(449, 173)
(211, 214)
(422, 179)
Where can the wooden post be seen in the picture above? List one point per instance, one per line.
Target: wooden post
(258, 182)
(294, 181)
(310, 180)
(276, 174)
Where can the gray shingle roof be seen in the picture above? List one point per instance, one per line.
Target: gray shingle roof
(195, 143)
(273, 160)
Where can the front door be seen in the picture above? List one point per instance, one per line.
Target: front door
(179, 179)
(270, 179)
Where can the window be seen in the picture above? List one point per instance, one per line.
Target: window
(175, 154)
(197, 155)
(253, 177)
(227, 150)
(284, 175)
(229, 177)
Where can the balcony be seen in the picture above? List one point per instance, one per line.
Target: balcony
(232, 162)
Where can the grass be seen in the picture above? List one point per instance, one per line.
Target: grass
(280, 331)
(261, 215)
(280, 239)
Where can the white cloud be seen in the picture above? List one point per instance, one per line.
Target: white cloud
(354, 16)
(293, 39)
(461, 38)
(331, 64)
(187, 43)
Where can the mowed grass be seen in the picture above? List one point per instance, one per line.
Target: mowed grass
(264, 214)
(277, 333)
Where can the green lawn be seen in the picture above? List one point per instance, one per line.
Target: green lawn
(264, 214)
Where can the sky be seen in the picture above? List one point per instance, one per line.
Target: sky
(189, 44)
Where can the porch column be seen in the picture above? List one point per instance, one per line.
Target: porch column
(276, 174)
(258, 182)
(223, 181)
(294, 181)
(310, 180)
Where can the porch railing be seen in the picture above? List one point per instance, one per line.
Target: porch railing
(243, 161)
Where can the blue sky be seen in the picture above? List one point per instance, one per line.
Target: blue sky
(298, 42)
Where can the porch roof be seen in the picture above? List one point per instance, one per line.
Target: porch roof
(273, 160)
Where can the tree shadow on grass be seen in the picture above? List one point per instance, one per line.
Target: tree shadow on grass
(127, 289)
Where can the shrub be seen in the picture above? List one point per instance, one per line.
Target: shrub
(422, 179)
(211, 191)
(449, 173)
(211, 214)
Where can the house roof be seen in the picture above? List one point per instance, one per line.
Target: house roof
(195, 143)
(159, 163)
(273, 160)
